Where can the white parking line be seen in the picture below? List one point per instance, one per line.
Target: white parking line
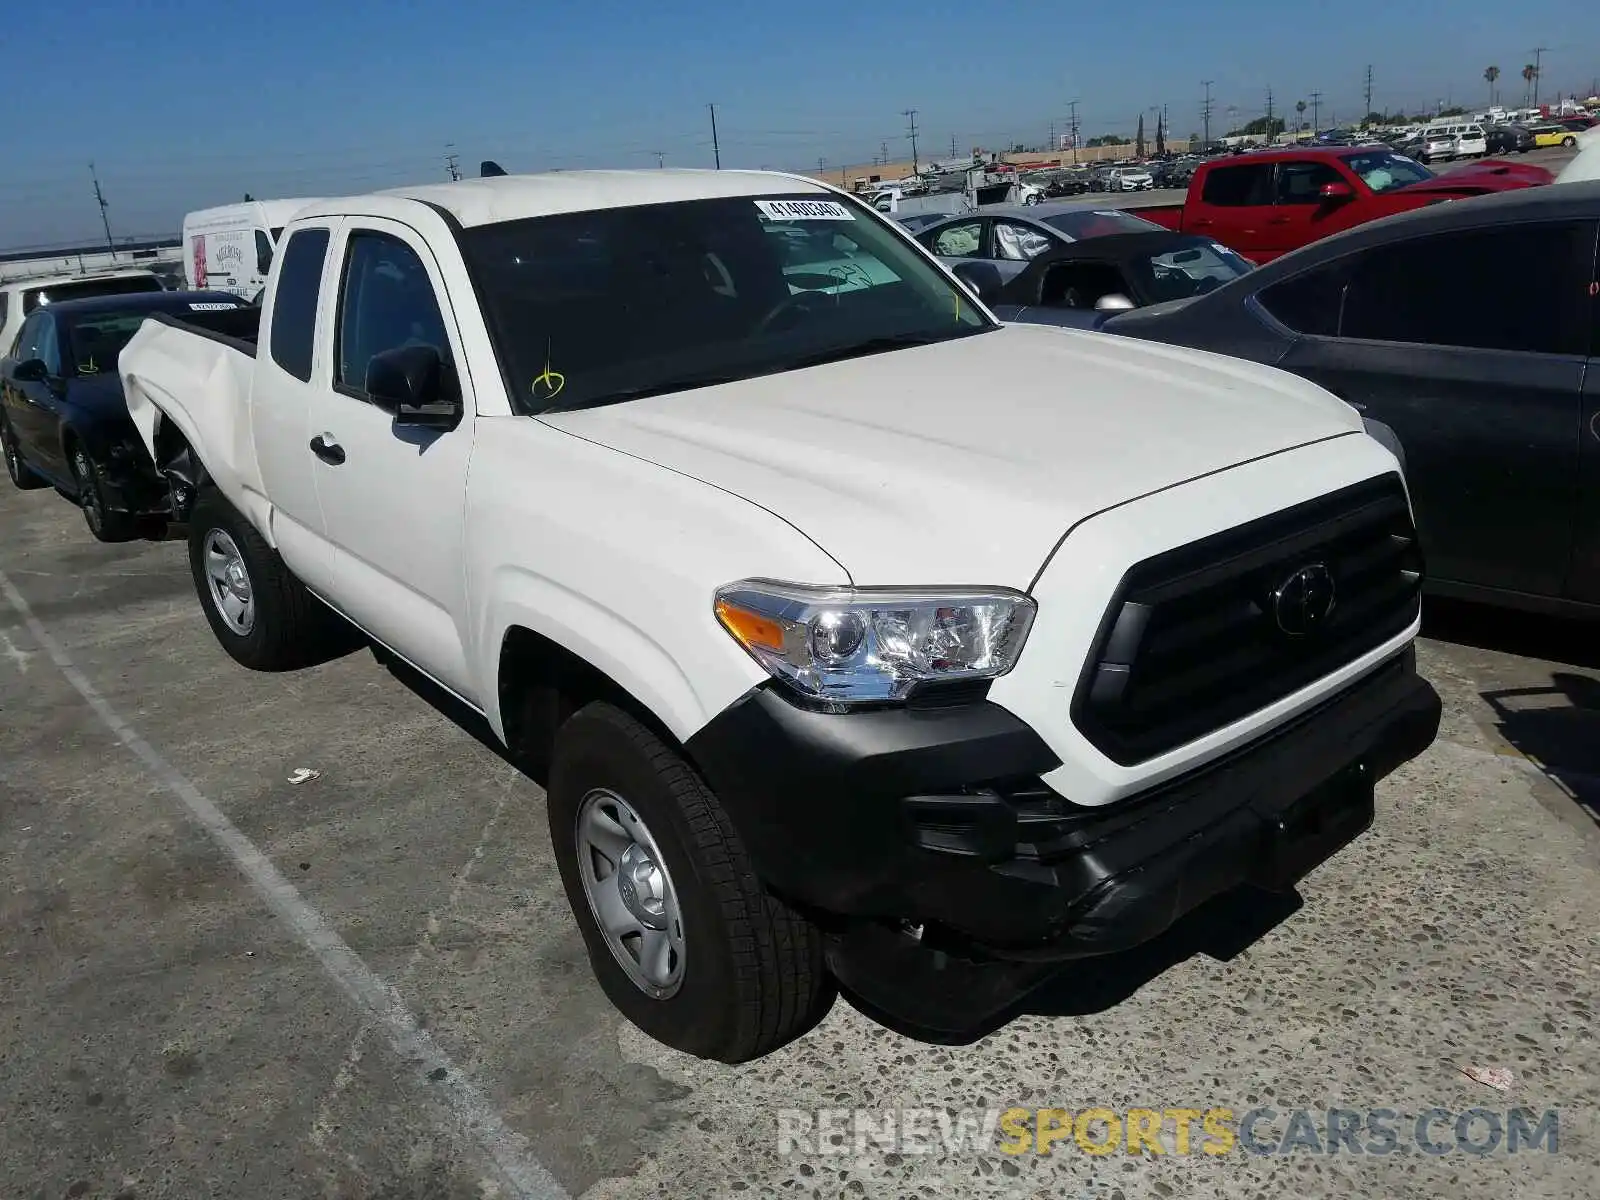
(438, 1076)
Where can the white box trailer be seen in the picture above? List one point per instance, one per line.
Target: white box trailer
(230, 248)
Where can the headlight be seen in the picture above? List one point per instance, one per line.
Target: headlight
(851, 645)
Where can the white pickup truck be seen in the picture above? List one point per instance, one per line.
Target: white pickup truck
(861, 641)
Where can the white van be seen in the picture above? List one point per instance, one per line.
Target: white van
(229, 249)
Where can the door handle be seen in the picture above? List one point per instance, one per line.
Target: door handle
(1277, 220)
(328, 450)
(1200, 224)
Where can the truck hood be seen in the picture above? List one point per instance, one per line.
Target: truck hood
(965, 462)
(1491, 175)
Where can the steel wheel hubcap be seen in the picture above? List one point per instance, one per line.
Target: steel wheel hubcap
(229, 582)
(630, 893)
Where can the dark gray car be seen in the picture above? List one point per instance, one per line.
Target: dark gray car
(1471, 330)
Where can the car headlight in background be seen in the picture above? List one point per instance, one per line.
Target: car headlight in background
(853, 645)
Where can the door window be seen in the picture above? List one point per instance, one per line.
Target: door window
(962, 240)
(1238, 187)
(1019, 243)
(27, 345)
(1302, 182)
(294, 305)
(386, 302)
(1516, 287)
(1307, 303)
(38, 340)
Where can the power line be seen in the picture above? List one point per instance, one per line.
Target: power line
(1316, 111)
(1205, 110)
(104, 220)
(911, 115)
(716, 149)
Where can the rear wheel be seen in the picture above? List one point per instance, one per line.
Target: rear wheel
(263, 616)
(1569, 142)
(681, 934)
(21, 477)
(105, 524)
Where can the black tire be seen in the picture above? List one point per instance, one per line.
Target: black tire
(1569, 142)
(21, 478)
(289, 627)
(753, 971)
(103, 523)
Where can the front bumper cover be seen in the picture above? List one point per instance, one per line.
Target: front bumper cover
(936, 817)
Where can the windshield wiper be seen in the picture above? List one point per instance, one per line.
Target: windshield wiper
(680, 383)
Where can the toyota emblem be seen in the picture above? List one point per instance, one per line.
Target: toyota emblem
(1302, 603)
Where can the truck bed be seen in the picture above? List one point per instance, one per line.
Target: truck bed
(188, 385)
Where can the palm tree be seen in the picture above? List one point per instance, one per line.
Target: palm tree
(1491, 74)
(1300, 108)
(1529, 74)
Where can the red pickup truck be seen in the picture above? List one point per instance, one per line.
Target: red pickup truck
(1265, 204)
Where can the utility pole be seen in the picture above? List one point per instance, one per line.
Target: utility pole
(952, 145)
(822, 165)
(1205, 112)
(1054, 145)
(716, 148)
(911, 115)
(1316, 113)
(1269, 115)
(883, 151)
(1073, 105)
(1538, 54)
(452, 162)
(661, 159)
(104, 220)
(1369, 93)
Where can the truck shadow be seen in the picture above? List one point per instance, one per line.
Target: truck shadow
(1546, 709)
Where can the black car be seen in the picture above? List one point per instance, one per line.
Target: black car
(1472, 329)
(1079, 285)
(1509, 139)
(63, 420)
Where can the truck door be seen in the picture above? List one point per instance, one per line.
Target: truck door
(1234, 205)
(1300, 213)
(393, 496)
(290, 368)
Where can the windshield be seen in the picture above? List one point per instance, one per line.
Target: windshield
(597, 307)
(1191, 270)
(83, 289)
(1079, 224)
(1385, 171)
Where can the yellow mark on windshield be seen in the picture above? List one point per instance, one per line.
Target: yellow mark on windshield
(553, 380)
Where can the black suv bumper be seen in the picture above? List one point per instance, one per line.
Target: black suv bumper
(938, 818)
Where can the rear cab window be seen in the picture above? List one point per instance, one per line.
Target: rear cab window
(1240, 186)
(84, 289)
(294, 306)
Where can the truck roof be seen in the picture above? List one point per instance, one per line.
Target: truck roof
(1300, 154)
(515, 197)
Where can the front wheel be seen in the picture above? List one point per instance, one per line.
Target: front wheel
(682, 936)
(1569, 143)
(261, 614)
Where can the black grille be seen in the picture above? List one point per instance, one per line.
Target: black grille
(1203, 635)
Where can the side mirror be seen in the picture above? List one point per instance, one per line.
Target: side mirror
(983, 278)
(31, 370)
(1114, 302)
(410, 380)
(1336, 191)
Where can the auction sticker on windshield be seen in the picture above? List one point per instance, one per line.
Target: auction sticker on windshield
(804, 210)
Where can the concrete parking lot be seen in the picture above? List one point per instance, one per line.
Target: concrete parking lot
(218, 983)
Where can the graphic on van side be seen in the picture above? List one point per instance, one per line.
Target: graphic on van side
(200, 261)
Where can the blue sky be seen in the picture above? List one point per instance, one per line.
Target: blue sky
(187, 103)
